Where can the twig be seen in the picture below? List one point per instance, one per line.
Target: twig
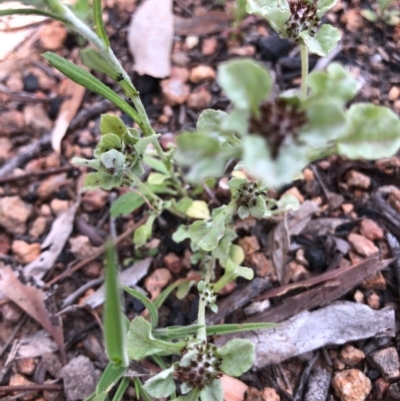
(32, 387)
(97, 253)
(25, 96)
(71, 298)
(31, 150)
(42, 173)
(304, 379)
(10, 339)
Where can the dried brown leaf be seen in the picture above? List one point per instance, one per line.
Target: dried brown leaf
(212, 22)
(31, 300)
(150, 38)
(73, 93)
(52, 245)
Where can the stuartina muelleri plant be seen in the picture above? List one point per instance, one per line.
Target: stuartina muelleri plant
(270, 138)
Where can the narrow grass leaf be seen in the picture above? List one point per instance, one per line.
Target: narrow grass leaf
(114, 324)
(146, 302)
(89, 81)
(220, 329)
(121, 389)
(32, 11)
(98, 21)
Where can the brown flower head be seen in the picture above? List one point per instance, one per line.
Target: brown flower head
(303, 17)
(277, 121)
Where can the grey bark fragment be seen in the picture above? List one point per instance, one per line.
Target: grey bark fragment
(318, 385)
(338, 323)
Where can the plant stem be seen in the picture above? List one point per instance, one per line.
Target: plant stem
(304, 70)
(126, 84)
(201, 316)
(144, 189)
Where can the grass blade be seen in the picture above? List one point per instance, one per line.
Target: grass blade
(146, 302)
(98, 21)
(110, 377)
(220, 329)
(32, 11)
(114, 323)
(121, 389)
(89, 81)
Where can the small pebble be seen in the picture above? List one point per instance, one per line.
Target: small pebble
(31, 83)
(351, 385)
(362, 245)
(351, 356)
(387, 361)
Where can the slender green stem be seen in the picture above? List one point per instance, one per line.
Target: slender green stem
(125, 83)
(304, 70)
(201, 316)
(172, 173)
(144, 189)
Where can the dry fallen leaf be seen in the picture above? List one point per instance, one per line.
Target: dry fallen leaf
(52, 245)
(128, 277)
(73, 93)
(293, 223)
(150, 38)
(205, 24)
(31, 300)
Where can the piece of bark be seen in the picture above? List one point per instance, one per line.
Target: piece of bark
(241, 296)
(338, 323)
(211, 22)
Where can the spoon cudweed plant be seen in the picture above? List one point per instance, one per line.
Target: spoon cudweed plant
(268, 138)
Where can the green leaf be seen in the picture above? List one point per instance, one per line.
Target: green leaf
(141, 342)
(233, 271)
(202, 154)
(155, 164)
(245, 82)
(113, 161)
(212, 392)
(108, 142)
(114, 329)
(236, 253)
(83, 10)
(221, 329)
(237, 356)
(93, 181)
(112, 124)
(221, 252)
(369, 15)
(257, 160)
(182, 233)
(326, 121)
(177, 332)
(373, 132)
(110, 377)
(98, 22)
(89, 81)
(156, 178)
(323, 6)
(126, 204)
(161, 385)
(32, 11)
(211, 122)
(287, 202)
(146, 302)
(206, 235)
(123, 385)
(383, 4)
(93, 163)
(236, 121)
(92, 59)
(142, 143)
(335, 83)
(276, 12)
(323, 42)
(143, 233)
(260, 209)
(198, 210)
